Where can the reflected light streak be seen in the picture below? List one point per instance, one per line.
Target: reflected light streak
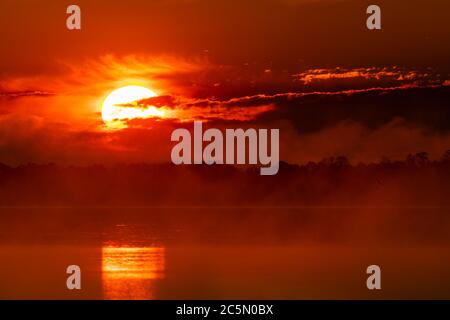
(131, 272)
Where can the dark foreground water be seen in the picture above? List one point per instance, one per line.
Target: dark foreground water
(211, 253)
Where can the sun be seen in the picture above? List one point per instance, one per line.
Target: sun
(122, 104)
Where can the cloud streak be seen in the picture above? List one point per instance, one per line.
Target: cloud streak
(249, 108)
(29, 93)
(386, 74)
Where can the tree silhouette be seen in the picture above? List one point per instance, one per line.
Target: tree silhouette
(418, 159)
(446, 157)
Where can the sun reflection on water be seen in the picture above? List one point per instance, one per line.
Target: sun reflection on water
(131, 272)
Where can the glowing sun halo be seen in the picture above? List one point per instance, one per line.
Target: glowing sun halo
(121, 104)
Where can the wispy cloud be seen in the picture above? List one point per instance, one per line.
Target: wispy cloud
(386, 74)
(29, 93)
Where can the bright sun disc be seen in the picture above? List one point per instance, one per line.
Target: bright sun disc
(121, 104)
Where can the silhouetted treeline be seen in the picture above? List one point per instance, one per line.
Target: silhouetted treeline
(417, 181)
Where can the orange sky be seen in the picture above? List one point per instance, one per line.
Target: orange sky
(246, 64)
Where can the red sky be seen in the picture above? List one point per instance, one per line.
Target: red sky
(310, 68)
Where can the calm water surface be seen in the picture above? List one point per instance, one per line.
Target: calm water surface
(252, 253)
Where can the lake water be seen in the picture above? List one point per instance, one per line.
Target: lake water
(229, 253)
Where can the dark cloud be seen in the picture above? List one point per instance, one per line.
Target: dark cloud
(160, 101)
(426, 107)
(423, 105)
